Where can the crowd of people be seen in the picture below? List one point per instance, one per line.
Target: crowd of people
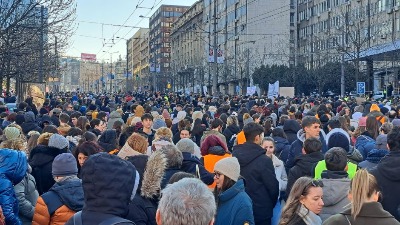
(170, 159)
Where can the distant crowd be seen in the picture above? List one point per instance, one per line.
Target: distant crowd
(172, 159)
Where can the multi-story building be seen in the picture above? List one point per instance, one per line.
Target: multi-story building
(70, 74)
(248, 34)
(119, 71)
(138, 58)
(160, 42)
(366, 32)
(89, 73)
(187, 58)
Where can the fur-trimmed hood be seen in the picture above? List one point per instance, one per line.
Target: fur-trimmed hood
(153, 175)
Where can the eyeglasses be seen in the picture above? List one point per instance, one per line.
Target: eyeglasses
(217, 175)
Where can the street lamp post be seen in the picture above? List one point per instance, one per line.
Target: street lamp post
(111, 75)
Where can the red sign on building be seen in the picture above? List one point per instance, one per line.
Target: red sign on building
(88, 57)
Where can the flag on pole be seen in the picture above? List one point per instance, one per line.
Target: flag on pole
(158, 69)
(220, 56)
(210, 55)
(152, 67)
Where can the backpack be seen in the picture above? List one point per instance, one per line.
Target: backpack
(77, 218)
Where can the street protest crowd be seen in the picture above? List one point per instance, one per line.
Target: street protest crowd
(171, 159)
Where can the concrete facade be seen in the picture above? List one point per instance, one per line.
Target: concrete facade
(188, 63)
(138, 57)
(160, 24)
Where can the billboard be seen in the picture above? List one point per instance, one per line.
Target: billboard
(88, 57)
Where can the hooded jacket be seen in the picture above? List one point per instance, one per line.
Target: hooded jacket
(371, 213)
(69, 193)
(27, 197)
(234, 206)
(143, 207)
(335, 195)
(282, 148)
(297, 146)
(303, 166)
(189, 164)
(388, 177)
(215, 154)
(364, 144)
(13, 167)
(108, 185)
(41, 159)
(291, 127)
(108, 140)
(30, 123)
(261, 183)
(114, 116)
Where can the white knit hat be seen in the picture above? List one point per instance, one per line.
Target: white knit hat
(228, 167)
(11, 132)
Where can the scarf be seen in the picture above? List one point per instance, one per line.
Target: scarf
(309, 217)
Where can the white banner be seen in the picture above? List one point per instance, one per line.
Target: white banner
(273, 90)
(251, 90)
(152, 67)
(220, 56)
(158, 68)
(210, 55)
(205, 90)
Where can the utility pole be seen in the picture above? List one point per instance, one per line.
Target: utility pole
(127, 68)
(215, 75)
(102, 76)
(111, 75)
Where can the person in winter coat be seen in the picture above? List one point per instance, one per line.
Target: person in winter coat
(64, 198)
(336, 183)
(109, 183)
(291, 128)
(366, 141)
(135, 145)
(174, 162)
(305, 163)
(114, 116)
(339, 139)
(282, 145)
(259, 172)
(191, 164)
(213, 149)
(269, 145)
(216, 129)
(375, 155)
(30, 123)
(234, 206)
(388, 176)
(143, 207)
(304, 203)
(311, 129)
(13, 167)
(41, 159)
(365, 208)
(25, 190)
(108, 141)
(232, 128)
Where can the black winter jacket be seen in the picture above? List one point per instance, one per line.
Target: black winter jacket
(304, 166)
(41, 160)
(261, 183)
(189, 165)
(388, 177)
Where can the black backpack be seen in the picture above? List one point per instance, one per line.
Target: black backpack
(77, 218)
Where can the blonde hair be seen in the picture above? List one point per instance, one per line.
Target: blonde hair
(163, 133)
(44, 139)
(16, 144)
(246, 116)
(362, 187)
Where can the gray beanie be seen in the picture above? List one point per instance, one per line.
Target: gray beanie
(58, 141)
(158, 123)
(64, 165)
(229, 167)
(185, 145)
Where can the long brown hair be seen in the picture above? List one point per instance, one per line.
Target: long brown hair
(373, 126)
